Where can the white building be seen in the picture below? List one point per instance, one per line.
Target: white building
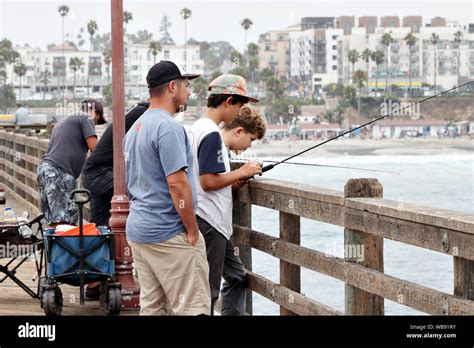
(314, 57)
(403, 127)
(420, 56)
(447, 56)
(141, 59)
(59, 67)
(138, 61)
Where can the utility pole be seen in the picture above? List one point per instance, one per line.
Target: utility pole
(120, 203)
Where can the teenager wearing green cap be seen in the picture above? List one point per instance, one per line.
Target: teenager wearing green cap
(228, 93)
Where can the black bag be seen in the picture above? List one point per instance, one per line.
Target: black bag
(11, 235)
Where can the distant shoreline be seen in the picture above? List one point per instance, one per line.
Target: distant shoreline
(358, 147)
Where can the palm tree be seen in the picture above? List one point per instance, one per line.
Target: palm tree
(434, 41)
(45, 78)
(411, 42)
(12, 58)
(63, 11)
(353, 57)
(92, 28)
(386, 41)
(107, 60)
(20, 70)
(458, 39)
(378, 58)
(185, 13)
(127, 17)
(3, 77)
(246, 24)
(154, 48)
(366, 54)
(75, 64)
(265, 76)
(359, 78)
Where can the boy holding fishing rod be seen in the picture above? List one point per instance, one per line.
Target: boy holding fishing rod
(242, 125)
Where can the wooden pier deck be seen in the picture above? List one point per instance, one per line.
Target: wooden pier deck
(15, 301)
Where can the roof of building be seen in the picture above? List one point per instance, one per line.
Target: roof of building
(60, 48)
(313, 110)
(328, 126)
(277, 127)
(419, 122)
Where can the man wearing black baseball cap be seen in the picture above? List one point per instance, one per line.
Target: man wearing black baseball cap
(169, 252)
(166, 71)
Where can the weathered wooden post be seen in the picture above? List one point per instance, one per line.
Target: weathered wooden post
(290, 275)
(463, 278)
(364, 249)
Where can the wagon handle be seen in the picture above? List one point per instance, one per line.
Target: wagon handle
(77, 199)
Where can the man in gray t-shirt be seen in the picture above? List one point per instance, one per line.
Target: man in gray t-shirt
(71, 139)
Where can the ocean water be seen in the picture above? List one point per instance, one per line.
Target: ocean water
(444, 181)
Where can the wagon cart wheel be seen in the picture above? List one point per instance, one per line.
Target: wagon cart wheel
(41, 285)
(113, 302)
(52, 301)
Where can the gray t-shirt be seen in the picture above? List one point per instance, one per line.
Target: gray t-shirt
(67, 148)
(155, 147)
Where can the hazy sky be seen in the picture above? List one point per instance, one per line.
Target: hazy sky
(38, 22)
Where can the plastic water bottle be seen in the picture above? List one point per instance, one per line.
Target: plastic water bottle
(9, 216)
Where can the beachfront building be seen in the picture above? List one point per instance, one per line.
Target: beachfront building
(274, 52)
(276, 131)
(57, 59)
(402, 128)
(141, 59)
(449, 55)
(465, 128)
(314, 54)
(302, 131)
(311, 131)
(403, 60)
(312, 113)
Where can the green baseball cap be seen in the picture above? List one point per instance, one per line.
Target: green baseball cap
(230, 84)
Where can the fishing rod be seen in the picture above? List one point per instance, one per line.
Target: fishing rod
(271, 166)
(332, 166)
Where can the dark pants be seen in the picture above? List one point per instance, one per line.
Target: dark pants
(224, 262)
(101, 184)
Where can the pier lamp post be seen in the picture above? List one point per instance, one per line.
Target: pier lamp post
(120, 204)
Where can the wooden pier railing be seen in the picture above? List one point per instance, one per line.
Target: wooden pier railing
(367, 220)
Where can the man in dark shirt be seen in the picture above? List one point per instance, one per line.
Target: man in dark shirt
(71, 139)
(98, 172)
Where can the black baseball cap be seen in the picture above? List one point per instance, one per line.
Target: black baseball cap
(165, 71)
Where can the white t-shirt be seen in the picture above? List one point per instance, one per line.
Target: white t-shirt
(211, 156)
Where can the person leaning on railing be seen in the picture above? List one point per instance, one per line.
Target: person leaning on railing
(72, 137)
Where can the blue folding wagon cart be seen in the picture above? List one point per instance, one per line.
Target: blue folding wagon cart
(78, 260)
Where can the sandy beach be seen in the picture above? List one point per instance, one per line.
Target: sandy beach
(358, 147)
